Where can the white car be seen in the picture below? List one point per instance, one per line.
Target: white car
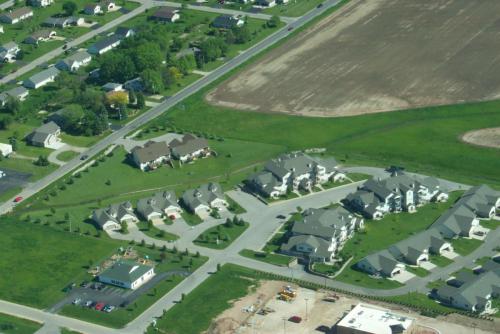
(2, 174)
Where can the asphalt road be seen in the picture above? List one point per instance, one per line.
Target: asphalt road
(167, 104)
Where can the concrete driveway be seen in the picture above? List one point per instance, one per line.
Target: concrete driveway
(427, 265)
(403, 277)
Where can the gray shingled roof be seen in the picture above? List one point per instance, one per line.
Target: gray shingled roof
(41, 133)
(44, 75)
(157, 203)
(320, 245)
(187, 145)
(203, 195)
(151, 151)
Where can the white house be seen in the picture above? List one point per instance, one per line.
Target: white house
(16, 15)
(151, 155)
(189, 148)
(111, 217)
(5, 149)
(41, 78)
(203, 199)
(45, 136)
(92, 9)
(41, 3)
(127, 274)
(74, 62)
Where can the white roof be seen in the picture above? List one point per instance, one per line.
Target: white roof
(5, 146)
(372, 319)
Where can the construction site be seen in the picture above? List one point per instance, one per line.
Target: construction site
(278, 307)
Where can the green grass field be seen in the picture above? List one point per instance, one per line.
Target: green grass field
(464, 246)
(14, 325)
(293, 8)
(155, 232)
(66, 155)
(220, 236)
(439, 260)
(419, 271)
(276, 259)
(41, 261)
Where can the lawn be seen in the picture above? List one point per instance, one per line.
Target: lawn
(271, 258)
(421, 302)
(419, 271)
(293, 8)
(191, 219)
(121, 316)
(325, 269)
(41, 261)
(491, 224)
(355, 277)
(14, 325)
(154, 232)
(206, 301)
(440, 261)
(464, 246)
(66, 155)
(220, 236)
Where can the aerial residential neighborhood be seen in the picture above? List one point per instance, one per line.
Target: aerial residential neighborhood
(253, 166)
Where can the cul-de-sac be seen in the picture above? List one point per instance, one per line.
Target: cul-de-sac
(249, 167)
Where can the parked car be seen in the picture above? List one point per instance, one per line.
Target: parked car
(84, 284)
(320, 5)
(89, 303)
(83, 157)
(296, 319)
(290, 28)
(77, 301)
(99, 306)
(18, 199)
(108, 308)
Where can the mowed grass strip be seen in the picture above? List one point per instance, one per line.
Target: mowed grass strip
(14, 325)
(220, 236)
(40, 261)
(464, 246)
(271, 258)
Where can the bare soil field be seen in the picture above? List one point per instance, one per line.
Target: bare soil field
(484, 137)
(374, 56)
(321, 313)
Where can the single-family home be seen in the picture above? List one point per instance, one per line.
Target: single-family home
(165, 14)
(459, 221)
(5, 149)
(135, 84)
(203, 199)
(63, 22)
(41, 78)
(111, 217)
(105, 45)
(20, 93)
(473, 293)
(92, 9)
(227, 21)
(74, 62)
(161, 204)
(45, 136)
(127, 274)
(16, 15)
(151, 155)
(189, 148)
(265, 3)
(40, 3)
(40, 36)
(8, 52)
(482, 200)
(125, 32)
(381, 263)
(291, 172)
(107, 5)
(313, 248)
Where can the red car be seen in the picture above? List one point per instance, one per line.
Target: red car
(296, 319)
(18, 199)
(99, 306)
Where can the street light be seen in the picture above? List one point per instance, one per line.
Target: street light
(284, 325)
(306, 299)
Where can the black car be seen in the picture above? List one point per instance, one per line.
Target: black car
(83, 157)
(320, 5)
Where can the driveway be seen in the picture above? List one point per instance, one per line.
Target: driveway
(403, 277)
(63, 148)
(427, 265)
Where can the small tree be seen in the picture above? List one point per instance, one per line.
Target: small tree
(69, 8)
(163, 257)
(141, 102)
(124, 227)
(273, 22)
(132, 98)
(218, 267)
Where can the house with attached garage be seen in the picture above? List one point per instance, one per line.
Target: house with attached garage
(63, 22)
(92, 9)
(228, 22)
(459, 221)
(41, 78)
(127, 274)
(8, 52)
(482, 200)
(40, 3)
(292, 172)
(472, 293)
(381, 263)
(125, 32)
(43, 35)
(165, 14)
(19, 93)
(189, 148)
(74, 62)
(204, 199)
(151, 156)
(315, 249)
(16, 15)
(265, 3)
(105, 45)
(45, 136)
(111, 217)
(161, 204)
(107, 5)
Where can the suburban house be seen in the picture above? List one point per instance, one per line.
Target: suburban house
(369, 319)
(124, 32)
(151, 155)
(92, 9)
(189, 148)
(334, 226)
(291, 172)
(112, 87)
(265, 3)
(41, 78)
(111, 217)
(203, 199)
(20, 93)
(45, 136)
(381, 263)
(127, 274)
(161, 204)
(165, 14)
(134, 84)
(482, 200)
(227, 22)
(63, 22)
(16, 15)
(40, 36)
(5, 149)
(105, 45)
(74, 62)
(107, 5)
(40, 3)
(459, 221)
(9, 51)
(471, 292)
(399, 192)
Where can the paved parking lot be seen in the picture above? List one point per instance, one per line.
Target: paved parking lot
(12, 179)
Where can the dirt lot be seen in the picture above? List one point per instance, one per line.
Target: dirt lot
(484, 137)
(377, 55)
(239, 320)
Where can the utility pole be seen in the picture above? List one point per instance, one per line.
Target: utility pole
(284, 325)
(306, 299)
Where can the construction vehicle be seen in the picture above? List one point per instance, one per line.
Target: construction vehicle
(285, 298)
(265, 311)
(288, 292)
